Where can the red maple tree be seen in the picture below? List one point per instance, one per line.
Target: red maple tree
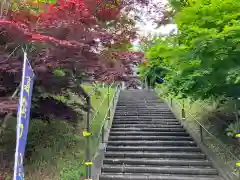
(70, 35)
(81, 37)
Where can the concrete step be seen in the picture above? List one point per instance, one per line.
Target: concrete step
(157, 162)
(139, 133)
(146, 115)
(155, 107)
(111, 176)
(154, 114)
(160, 170)
(142, 105)
(154, 148)
(170, 155)
(143, 114)
(149, 138)
(150, 108)
(166, 117)
(172, 126)
(146, 122)
(144, 110)
(151, 143)
(151, 129)
(138, 118)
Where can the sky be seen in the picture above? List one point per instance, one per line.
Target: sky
(147, 27)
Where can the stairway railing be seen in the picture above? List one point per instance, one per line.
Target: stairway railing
(93, 138)
(230, 168)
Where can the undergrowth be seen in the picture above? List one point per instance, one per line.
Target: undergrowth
(54, 151)
(214, 134)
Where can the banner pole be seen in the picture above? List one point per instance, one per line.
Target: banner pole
(19, 117)
(23, 116)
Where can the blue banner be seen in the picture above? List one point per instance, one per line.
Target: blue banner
(23, 117)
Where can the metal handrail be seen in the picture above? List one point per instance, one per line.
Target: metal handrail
(87, 133)
(101, 103)
(214, 114)
(201, 126)
(93, 90)
(107, 117)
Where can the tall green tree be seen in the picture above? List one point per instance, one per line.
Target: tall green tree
(203, 58)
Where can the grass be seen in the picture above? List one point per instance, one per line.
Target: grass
(55, 151)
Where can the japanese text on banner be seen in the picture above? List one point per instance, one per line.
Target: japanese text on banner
(23, 118)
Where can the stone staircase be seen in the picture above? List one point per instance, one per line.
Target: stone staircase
(146, 142)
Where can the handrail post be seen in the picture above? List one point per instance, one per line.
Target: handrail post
(103, 128)
(113, 99)
(171, 101)
(88, 162)
(145, 82)
(201, 133)
(183, 111)
(109, 110)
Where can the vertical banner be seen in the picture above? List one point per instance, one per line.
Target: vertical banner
(23, 117)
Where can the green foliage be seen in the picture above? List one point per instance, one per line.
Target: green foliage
(179, 4)
(203, 58)
(152, 73)
(233, 129)
(59, 72)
